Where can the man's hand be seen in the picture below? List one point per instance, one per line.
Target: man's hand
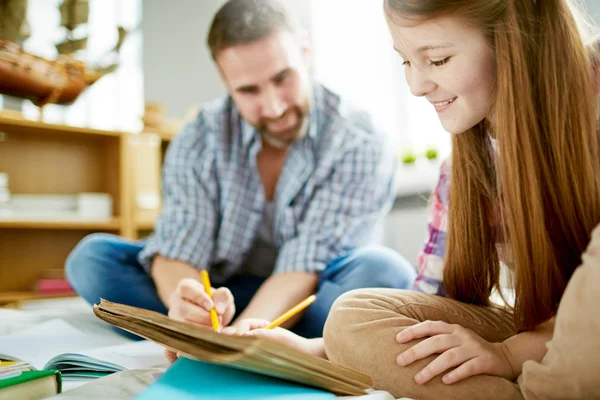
(190, 303)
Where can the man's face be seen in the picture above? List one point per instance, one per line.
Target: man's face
(269, 82)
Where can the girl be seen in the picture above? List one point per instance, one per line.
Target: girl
(512, 80)
(514, 84)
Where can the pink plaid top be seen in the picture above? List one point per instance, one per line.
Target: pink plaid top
(431, 259)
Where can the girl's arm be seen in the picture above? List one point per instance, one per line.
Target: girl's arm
(528, 345)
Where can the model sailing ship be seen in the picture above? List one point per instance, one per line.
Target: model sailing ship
(40, 80)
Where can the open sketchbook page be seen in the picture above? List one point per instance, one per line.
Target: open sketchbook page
(40, 343)
(56, 344)
(136, 355)
(105, 360)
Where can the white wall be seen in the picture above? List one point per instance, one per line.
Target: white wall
(178, 69)
(593, 7)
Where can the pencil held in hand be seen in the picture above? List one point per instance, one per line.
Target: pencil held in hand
(214, 318)
(293, 311)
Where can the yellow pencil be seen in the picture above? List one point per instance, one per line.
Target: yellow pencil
(292, 311)
(214, 318)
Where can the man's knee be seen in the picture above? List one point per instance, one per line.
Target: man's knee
(80, 261)
(380, 266)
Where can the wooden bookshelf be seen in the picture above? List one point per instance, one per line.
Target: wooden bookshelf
(113, 224)
(149, 149)
(19, 125)
(40, 159)
(14, 297)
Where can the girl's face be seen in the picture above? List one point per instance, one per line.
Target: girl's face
(451, 64)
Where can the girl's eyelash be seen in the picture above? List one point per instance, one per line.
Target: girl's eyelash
(439, 63)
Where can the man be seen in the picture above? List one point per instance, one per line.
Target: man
(273, 190)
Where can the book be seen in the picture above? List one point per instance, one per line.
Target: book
(248, 353)
(99, 362)
(30, 385)
(53, 286)
(189, 379)
(12, 366)
(56, 345)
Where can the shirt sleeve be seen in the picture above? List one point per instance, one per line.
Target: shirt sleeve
(343, 211)
(185, 229)
(431, 260)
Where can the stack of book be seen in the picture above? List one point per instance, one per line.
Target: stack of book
(53, 282)
(18, 380)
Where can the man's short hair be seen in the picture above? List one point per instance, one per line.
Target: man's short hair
(244, 21)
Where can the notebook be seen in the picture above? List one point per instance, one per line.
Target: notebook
(10, 366)
(59, 346)
(26, 385)
(189, 379)
(251, 354)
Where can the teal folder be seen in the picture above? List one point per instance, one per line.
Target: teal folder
(189, 379)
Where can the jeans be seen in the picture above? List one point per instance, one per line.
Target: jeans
(106, 266)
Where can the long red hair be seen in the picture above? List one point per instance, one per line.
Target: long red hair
(548, 168)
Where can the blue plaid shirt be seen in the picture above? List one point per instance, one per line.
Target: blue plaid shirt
(336, 185)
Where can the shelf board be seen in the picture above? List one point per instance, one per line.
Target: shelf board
(111, 224)
(21, 125)
(145, 226)
(12, 297)
(165, 135)
(145, 223)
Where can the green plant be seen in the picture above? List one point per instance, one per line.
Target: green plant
(431, 154)
(409, 158)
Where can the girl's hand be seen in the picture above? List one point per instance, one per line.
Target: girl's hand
(256, 328)
(459, 348)
(171, 356)
(240, 328)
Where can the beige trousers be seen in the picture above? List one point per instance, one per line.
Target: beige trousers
(362, 325)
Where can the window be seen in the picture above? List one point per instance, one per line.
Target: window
(116, 101)
(354, 56)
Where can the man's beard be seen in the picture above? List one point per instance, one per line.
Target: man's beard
(283, 139)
